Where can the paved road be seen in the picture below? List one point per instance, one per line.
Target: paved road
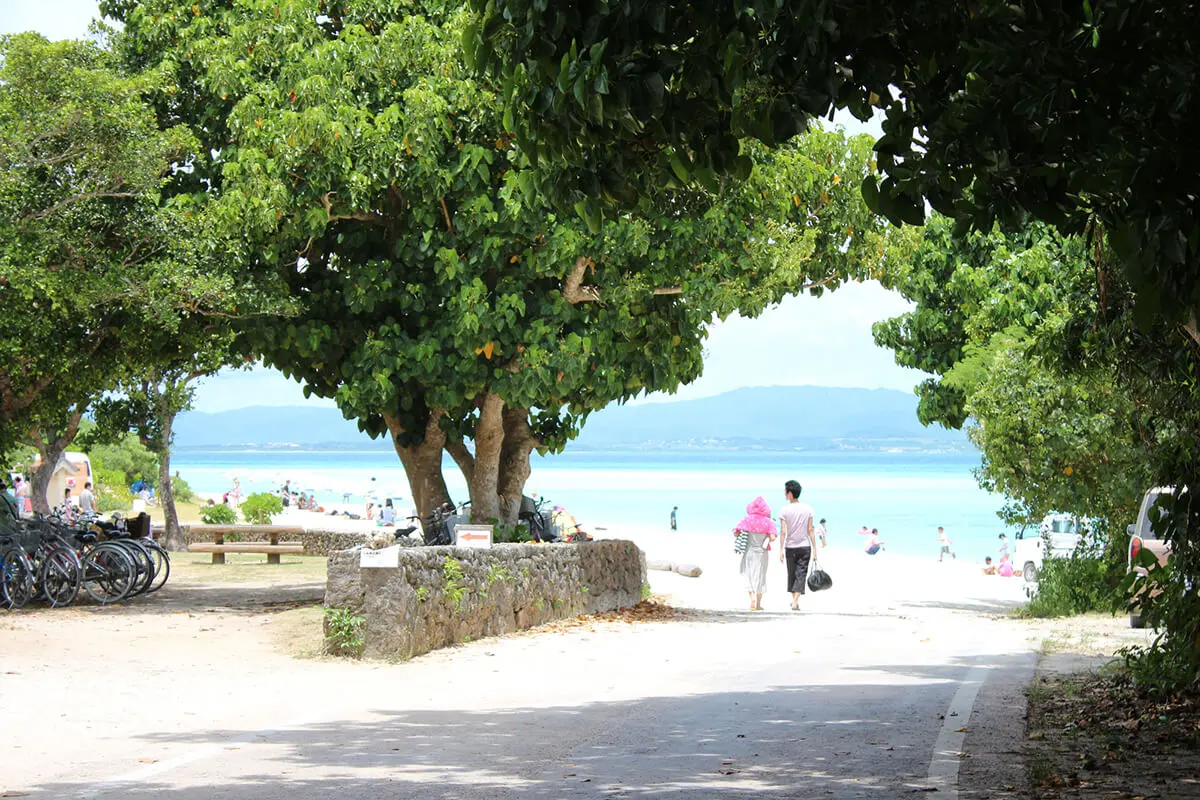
(851, 700)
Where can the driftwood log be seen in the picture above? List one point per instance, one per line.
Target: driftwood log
(687, 570)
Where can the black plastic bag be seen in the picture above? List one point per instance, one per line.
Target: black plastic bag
(819, 580)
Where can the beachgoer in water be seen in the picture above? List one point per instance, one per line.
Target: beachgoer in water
(821, 532)
(873, 543)
(675, 518)
(760, 530)
(945, 542)
(796, 530)
(988, 567)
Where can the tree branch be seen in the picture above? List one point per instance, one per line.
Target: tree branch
(1190, 329)
(462, 456)
(446, 214)
(79, 198)
(365, 216)
(573, 290)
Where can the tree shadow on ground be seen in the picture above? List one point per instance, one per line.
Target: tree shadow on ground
(223, 598)
(862, 740)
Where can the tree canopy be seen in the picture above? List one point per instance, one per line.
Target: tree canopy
(997, 320)
(100, 278)
(444, 298)
(991, 109)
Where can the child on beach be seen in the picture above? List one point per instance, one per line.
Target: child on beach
(945, 542)
(1005, 570)
(873, 543)
(760, 529)
(988, 567)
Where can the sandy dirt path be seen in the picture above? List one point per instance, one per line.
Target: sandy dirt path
(199, 695)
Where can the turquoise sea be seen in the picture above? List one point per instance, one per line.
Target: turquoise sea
(905, 495)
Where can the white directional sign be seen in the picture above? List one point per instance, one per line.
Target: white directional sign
(387, 558)
(473, 536)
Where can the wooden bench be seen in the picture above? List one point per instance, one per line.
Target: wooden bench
(273, 548)
(272, 551)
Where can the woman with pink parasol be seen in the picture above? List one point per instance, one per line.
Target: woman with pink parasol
(760, 532)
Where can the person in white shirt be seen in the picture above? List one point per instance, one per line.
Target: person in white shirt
(821, 532)
(87, 500)
(799, 543)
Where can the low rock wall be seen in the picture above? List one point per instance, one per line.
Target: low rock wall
(316, 543)
(439, 596)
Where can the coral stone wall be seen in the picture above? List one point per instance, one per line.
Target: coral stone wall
(439, 596)
(316, 542)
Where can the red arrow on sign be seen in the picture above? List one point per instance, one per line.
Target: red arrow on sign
(473, 536)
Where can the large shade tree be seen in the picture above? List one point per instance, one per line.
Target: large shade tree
(445, 300)
(105, 282)
(991, 108)
(82, 241)
(1002, 323)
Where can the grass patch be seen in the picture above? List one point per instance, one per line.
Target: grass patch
(246, 568)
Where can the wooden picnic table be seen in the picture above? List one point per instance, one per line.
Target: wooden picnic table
(272, 547)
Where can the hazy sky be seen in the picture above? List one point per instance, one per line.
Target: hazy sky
(822, 341)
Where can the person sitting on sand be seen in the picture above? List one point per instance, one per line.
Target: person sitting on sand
(387, 514)
(873, 543)
(1005, 570)
(988, 567)
(760, 530)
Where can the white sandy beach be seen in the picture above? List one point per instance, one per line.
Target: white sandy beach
(862, 583)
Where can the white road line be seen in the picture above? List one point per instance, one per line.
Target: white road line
(947, 750)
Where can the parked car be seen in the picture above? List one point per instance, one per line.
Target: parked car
(1059, 535)
(1142, 537)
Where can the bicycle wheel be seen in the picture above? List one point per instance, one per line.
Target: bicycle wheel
(16, 578)
(145, 565)
(162, 564)
(61, 576)
(108, 573)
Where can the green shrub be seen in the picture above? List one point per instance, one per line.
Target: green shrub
(511, 534)
(219, 514)
(454, 583)
(1074, 585)
(343, 632)
(183, 492)
(127, 458)
(112, 492)
(258, 508)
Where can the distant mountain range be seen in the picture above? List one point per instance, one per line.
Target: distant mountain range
(775, 417)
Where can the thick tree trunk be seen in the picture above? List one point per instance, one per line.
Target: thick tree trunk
(174, 540)
(423, 463)
(485, 477)
(519, 443)
(39, 484)
(50, 449)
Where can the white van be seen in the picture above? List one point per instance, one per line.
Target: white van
(1059, 534)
